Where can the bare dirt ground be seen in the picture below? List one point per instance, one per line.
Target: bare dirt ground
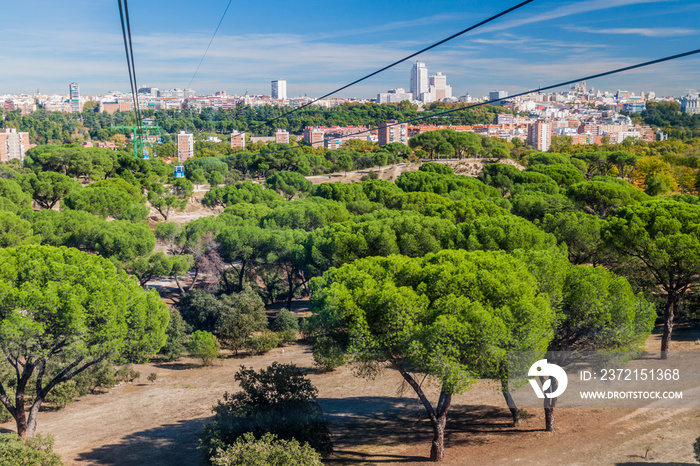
(372, 421)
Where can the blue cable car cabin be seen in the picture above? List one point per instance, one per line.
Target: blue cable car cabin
(179, 171)
(145, 154)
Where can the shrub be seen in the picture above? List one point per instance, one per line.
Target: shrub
(62, 394)
(204, 346)
(327, 354)
(127, 373)
(696, 447)
(267, 450)
(277, 400)
(287, 324)
(36, 451)
(263, 342)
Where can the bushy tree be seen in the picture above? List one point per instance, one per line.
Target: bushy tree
(241, 315)
(47, 188)
(68, 310)
(175, 337)
(451, 316)
(203, 345)
(106, 202)
(37, 451)
(286, 323)
(278, 399)
(664, 236)
(267, 450)
(288, 183)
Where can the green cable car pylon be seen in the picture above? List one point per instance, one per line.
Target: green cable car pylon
(140, 136)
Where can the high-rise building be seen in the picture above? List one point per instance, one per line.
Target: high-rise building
(438, 87)
(314, 136)
(74, 98)
(396, 133)
(282, 136)
(237, 140)
(279, 89)
(497, 96)
(185, 146)
(540, 136)
(419, 80)
(13, 145)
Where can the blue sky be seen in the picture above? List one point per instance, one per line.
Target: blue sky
(320, 45)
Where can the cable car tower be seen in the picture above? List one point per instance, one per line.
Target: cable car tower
(141, 136)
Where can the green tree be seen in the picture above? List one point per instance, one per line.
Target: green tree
(665, 237)
(175, 337)
(279, 400)
(268, 450)
(68, 310)
(287, 323)
(36, 451)
(450, 316)
(174, 197)
(203, 345)
(240, 316)
(288, 183)
(47, 188)
(15, 231)
(106, 202)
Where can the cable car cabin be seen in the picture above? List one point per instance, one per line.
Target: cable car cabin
(145, 154)
(179, 171)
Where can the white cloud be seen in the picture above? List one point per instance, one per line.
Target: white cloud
(575, 8)
(646, 32)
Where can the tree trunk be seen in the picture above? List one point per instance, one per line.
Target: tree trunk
(549, 404)
(549, 420)
(668, 324)
(437, 449)
(517, 419)
(182, 290)
(194, 281)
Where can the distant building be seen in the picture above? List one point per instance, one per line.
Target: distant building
(237, 140)
(392, 132)
(498, 96)
(419, 80)
(75, 106)
(177, 93)
(13, 145)
(314, 136)
(147, 91)
(634, 107)
(185, 146)
(438, 87)
(394, 96)
(279, 89)
(690, 103)
(282, 136)
(540, 136)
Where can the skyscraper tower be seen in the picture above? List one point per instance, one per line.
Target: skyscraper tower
(419, 80)
(74, 98)
(279, 89)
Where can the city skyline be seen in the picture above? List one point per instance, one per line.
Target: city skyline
(540, 43)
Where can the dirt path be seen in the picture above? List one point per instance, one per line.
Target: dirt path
(372, 421)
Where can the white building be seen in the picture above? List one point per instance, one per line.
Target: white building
(394, 96)
(279, 89)
(438, 87)
(690, 103)
(419, 80)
